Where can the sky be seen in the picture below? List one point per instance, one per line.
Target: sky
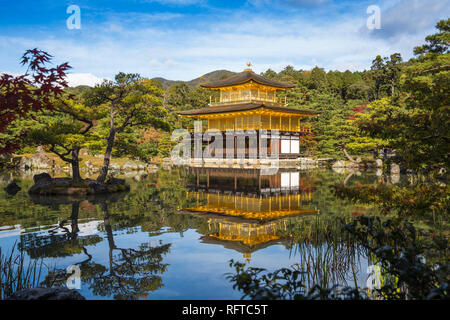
(184, 39)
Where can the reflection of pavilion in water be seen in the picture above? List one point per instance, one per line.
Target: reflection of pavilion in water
(247, 211)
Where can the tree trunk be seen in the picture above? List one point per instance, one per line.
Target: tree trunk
(347, 155)
(74, 219)
(76, 177)
(107, 224)
(104, 170)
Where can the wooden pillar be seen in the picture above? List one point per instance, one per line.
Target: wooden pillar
(279, 141)
(259, 180)
(257, 144)
(299, 147)
(224, 145)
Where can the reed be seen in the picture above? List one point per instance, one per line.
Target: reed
(16, 274)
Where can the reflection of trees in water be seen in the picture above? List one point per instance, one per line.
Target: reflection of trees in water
(154, 204)
(132, 272)
(52, 243)
(326, 201)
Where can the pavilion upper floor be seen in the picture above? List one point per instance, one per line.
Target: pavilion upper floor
(252, 117)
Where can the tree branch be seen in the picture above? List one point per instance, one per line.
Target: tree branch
(127, 120)
(89, 122)
(62, 156)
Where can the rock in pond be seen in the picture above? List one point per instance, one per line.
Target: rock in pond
(60, 293)
(42, 178)
(12, 188)
(114, 167)
(339, 164)
(44, 184)
(130, 165)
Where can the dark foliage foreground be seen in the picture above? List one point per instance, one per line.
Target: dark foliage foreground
(395, 244)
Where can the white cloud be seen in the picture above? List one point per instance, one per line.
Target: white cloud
(293, 3)
(177, 2)
(87, 79)
(410, 17)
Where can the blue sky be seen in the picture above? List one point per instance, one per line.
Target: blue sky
(183, 39)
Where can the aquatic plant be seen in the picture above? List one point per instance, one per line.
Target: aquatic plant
(396, 247)
(16, 274)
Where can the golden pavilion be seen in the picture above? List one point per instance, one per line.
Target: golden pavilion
(248, 101)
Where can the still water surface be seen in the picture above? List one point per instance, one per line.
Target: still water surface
(174, 234)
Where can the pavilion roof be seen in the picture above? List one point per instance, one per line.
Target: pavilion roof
(244, 107)
(239, 246)
(244, 77)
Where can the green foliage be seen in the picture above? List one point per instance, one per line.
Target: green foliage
(62, 130)
(332, 129)
(438, 42)
(417, 124)
(385, 73)
(129, 100)
(165, 145)
(402, 253)
(282, 284)
(132, 104)
(180, 96)
(336, 94)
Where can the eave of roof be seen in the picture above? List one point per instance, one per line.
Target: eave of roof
(239, 246)
(244, 107)
(244, 77)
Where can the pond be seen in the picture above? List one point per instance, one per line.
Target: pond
(173, 235)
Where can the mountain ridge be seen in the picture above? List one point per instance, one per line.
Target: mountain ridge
(206, 78)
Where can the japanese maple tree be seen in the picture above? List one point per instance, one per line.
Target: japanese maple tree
(37, 89)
